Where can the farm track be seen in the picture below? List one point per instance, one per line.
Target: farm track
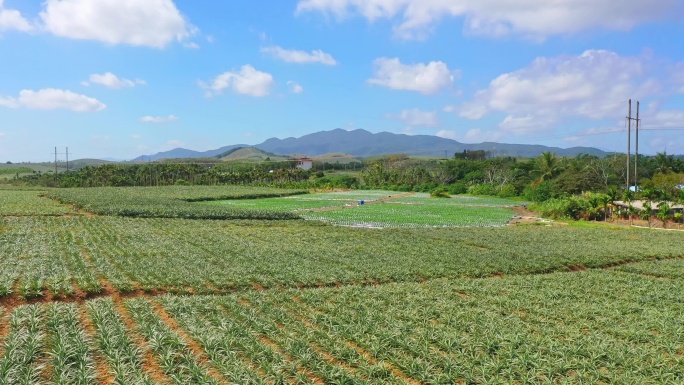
(12, 301)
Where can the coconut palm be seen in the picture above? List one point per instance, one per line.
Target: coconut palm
(678, 217)
(647, 212)
(664, 162)
(663, 213)
(628, 196)
(548, 166)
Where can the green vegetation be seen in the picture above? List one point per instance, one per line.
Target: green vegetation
(171, 202)
(386, 209)
(97, 299)
(586, 327)
(14, 171)
(62, 254)
(24, 203)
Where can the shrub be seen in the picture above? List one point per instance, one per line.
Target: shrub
(440, 192)
(482, 189)
(458, 188)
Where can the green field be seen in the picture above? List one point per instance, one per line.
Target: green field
(88, 298)
(171, 201)
(387, 209)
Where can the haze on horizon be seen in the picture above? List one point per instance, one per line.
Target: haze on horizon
(121, 78)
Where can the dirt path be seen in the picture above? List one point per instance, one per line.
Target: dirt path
(333, 208)
(523, 216)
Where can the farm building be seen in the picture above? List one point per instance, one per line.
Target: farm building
(305, 163)
(639, 205)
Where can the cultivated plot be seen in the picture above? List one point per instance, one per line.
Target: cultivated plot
(65, 256)
(572, 328)
(387, 209)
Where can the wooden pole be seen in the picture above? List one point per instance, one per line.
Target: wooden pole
(636, 152)
(629, 139)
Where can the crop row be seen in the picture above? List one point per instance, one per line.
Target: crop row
(67, 255)
(27, 203)
(570, 328)
(171, 201)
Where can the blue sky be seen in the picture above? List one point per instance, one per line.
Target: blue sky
(121, 78)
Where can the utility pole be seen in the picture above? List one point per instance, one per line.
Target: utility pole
(55, 162)
(636, 153)
(629, 139)
(67, 158)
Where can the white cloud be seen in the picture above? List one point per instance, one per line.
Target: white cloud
(531, 18)
(295, 87)
(663, 119)
(159, 119)
(112, 81)
(593, 85)
(192, 45)
(152, 23)
(474, 135)
(426, 79)
(248, 81)
(173, 144)
(53, 99)
(416, 117)
(678, 77)
(300, 57)
(11, 19)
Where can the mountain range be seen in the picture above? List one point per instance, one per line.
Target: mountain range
(363, 143)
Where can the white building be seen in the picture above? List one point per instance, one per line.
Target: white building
(305, 164)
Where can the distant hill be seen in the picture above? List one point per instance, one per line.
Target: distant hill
(361, 143)
(249, 154)
(177, 153)
(340, 158)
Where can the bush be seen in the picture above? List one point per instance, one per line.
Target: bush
(557, 208)
(440, 192)
(458, 188)
(482, 189)
(507, 191)
(541, 193)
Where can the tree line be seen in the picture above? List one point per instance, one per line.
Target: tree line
(540, 179)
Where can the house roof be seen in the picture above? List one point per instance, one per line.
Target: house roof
(639, 205)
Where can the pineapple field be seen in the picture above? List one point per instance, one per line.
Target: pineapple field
(244, 285)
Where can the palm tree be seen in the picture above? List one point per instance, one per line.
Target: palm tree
(628, 196)
(548, 166)
(647, 212)
(605, 201)
(612, 196)
(664, 162)
(663, 213)
(678, 219)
